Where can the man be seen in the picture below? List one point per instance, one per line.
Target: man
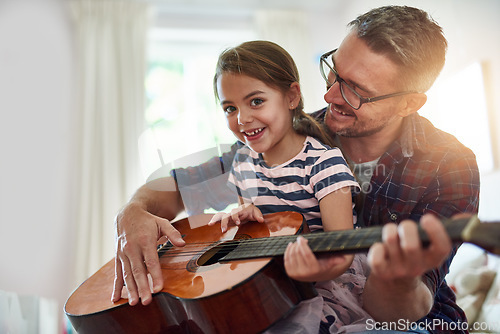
(376, 81)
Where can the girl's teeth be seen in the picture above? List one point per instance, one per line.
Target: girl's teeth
(253, 133)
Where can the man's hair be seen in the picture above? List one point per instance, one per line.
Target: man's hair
(410, 38)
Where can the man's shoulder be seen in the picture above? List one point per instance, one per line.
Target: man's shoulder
(319, 114)
(432, 140)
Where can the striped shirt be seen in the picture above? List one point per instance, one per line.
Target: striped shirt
(296, 185)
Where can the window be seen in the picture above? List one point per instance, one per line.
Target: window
(182, 115)
(458, 106)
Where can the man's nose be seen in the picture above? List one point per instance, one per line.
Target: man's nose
(333, 94)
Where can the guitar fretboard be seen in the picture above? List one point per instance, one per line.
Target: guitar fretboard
(348, 241)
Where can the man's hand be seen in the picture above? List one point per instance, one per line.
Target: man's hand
(395, 290)
(137, 233)
(401, 254)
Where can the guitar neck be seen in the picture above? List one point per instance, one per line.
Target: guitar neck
(346, 241)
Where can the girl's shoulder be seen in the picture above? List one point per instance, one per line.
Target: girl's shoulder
(313, 144)
(244, 150)
(245, 154)
(322, 155)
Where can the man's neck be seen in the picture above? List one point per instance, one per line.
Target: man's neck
(369, 148)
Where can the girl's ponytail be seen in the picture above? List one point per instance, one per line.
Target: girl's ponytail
(307, 125)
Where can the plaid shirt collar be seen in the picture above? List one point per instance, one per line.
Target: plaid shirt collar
(412, 138)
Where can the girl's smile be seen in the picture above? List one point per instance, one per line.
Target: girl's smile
(253, 134)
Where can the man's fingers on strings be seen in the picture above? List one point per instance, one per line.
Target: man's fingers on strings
(118, 281)
(153, 267)
(392, 248)
(170, 232)
(140, 277)
(440, 243)
(411, 247)
(410, 240)
(133, 296)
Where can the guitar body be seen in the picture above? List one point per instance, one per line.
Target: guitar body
(200, 295)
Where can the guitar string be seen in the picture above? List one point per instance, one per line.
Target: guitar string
(367, 235)
(275, 239)
(272, 242)
(267, 240)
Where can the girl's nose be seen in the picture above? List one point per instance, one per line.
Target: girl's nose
(244, 116)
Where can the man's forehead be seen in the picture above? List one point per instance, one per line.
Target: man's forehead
(356, 62)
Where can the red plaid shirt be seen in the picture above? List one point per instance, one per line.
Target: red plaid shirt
(425, 171)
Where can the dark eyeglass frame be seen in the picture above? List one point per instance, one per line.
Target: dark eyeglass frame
(343, 83)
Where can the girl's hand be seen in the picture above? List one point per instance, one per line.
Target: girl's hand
(239, 215)
(302, 265)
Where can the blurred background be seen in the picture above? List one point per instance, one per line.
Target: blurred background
(97, 95)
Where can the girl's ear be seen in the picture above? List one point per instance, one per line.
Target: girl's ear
(412, 103)
(294, 95)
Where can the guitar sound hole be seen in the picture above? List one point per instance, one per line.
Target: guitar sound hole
(215, 254)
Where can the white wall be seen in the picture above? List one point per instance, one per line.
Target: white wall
(36, 148)
(37, 124)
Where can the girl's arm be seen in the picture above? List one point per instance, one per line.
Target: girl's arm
(300, 262)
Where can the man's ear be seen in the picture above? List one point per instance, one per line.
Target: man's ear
(412, 103)
(294, 95)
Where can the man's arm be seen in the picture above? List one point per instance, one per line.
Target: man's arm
(146, 218)
(139, 225)
(405, 277)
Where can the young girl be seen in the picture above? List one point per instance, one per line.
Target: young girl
(283, 164)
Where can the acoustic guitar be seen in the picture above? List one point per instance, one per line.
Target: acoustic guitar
(232, 282)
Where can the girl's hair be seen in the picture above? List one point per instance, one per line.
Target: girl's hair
(271, 64)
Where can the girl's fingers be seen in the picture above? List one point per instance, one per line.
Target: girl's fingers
(217, 217)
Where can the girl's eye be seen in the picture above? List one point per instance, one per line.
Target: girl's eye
(229, 109)
(256, 102)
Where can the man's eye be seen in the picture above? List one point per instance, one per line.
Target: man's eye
(229, 109)
(256, 102)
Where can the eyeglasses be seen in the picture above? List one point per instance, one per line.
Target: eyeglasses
(349, 94)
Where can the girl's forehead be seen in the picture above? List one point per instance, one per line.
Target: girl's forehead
(230, 79)
(237, 86)
(237, 76)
